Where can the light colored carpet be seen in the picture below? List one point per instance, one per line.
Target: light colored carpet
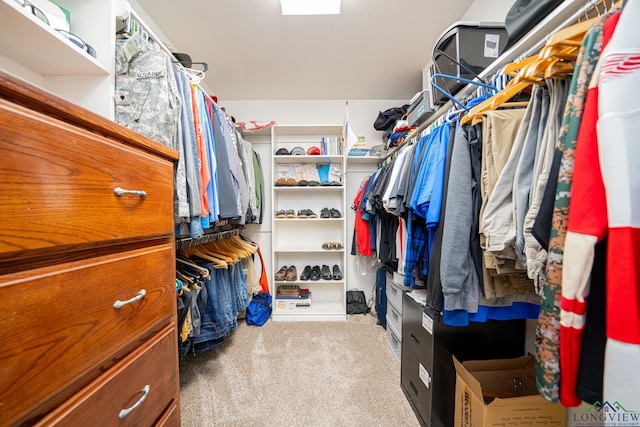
(296, 374)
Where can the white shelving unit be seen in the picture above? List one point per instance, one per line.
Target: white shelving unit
(35, 52)
(298, 241)
(364, 160)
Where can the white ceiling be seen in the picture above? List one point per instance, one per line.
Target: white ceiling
(375, 49)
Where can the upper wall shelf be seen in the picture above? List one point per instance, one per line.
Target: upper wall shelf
(30, 42)
(363, 160)
(301, 130)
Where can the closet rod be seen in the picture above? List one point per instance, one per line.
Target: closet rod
(566, 14)
(206, 238)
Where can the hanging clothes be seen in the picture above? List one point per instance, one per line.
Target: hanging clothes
(147, 100)
(217, 173)
(548, 327)
(613, 150)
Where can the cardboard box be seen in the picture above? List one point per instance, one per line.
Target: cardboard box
(502, 392)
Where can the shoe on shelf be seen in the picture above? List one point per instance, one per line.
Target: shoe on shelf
(291, 182)
(282, 273)
(290, 213)
(302, 213)
(315, 273)
(335, 213)
(281, 213)
(326, 273)
(325, 213)
(337, 274)
(332, 245)
(311, 214)
(280, 182)
(314, 184)
(292, 274)
(303, 183)
(306, 273)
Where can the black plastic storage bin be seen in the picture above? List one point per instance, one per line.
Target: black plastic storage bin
(464, 50)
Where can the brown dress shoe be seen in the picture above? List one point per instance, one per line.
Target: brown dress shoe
(282, 273)
(292, 273)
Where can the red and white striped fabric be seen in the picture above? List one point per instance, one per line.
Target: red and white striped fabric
(619, 150)
(587, 225)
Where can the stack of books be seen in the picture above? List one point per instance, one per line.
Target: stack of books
(331, 145)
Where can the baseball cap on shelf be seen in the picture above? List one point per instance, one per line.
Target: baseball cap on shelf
(282, 152)
(313, 151)
(297, 151)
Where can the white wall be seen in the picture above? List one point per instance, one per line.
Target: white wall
(488, 10)
(362, 114)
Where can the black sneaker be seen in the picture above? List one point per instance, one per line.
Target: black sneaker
(302, 213)
(325, 213)
(306, 273)
(311, 214)
(326, 273)
(335, 213)
(337, 274)
(315, 273)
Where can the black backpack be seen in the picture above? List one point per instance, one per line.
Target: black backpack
(356, 302)
(387, 119)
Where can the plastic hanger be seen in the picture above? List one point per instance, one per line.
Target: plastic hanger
(202, 270)
(194, 76)
(500, 98)
(460, 79)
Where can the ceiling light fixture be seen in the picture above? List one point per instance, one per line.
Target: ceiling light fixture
(310, 7)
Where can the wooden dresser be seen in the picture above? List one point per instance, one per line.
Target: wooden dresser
(87, 268)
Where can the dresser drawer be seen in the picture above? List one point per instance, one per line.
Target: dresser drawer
(395, 292)
(61, 325)
(171, 417)
(137, 391)
(58, 186)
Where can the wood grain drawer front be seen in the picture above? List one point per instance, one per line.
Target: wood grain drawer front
(58, 183)
(60, 324)
(171, 417)
(135, 392)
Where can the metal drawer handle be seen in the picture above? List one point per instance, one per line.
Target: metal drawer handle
(119, 304)
(413, 337)
(145, 392)
(120, 191)
(415, 390)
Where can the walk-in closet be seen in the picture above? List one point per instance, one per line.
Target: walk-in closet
(407, 213)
